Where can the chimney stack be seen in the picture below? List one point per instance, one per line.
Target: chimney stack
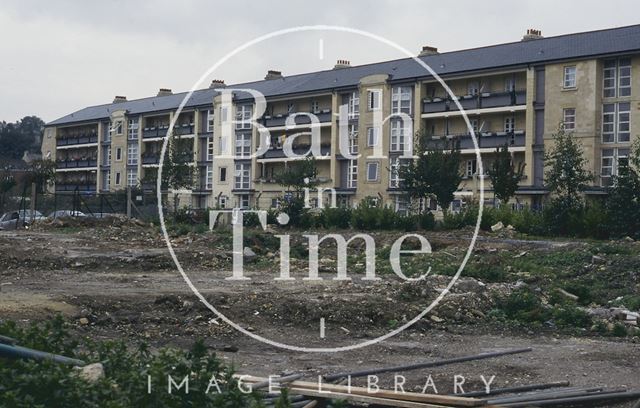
(342, 64)
(272, 74)
(217, 83)
(119, 99)
(164, 92)
(532, 34)
(428, 50)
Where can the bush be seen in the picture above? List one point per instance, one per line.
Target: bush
(335, 217)
(47, 384)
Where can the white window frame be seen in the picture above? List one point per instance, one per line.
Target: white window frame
(209, 178)
(245, 201)
(210, 120)
(374, 99)
(353, 139)
(401, 204)
(375, 166)
(611, 169)
(222, 201)
(354, 105)
(243, 116)
(242, 179)
(471, 168)
(116, 127)
(373, 136)
(509, 84)
(399, 136)
(210, 145)
(509, 124)
(243, 144)
(132, 154)
(352, 174)
(132, 177)
(569, 119)
(616, 122)
(570, 77)
(394, 172)
(133, 129)
(627, 76)
(118, 154)
(315, 106)
(610, 78)
(401, 99)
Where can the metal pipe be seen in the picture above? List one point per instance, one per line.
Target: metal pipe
(429, 364)
(12, 351)
(600, 396)
(278, 380)
(508, 390)
(546, 395)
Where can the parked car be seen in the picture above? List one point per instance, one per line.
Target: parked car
(66, 213)
(10, 220)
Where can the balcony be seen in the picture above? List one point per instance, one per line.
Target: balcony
(298, 150)
(184, 129)
(83, 187)
(150, 158)
(76, 164)
(481, 101)
(280, 120)
(490, 140)
(77, 140)
(154, 132)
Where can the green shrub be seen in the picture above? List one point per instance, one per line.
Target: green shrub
(524, 306)
(335, 217)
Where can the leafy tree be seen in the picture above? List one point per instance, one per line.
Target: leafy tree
(623, 202)
(435, 173)
(567, 176)
(504, 175)
(43, 173)
(299, 175)
(7, 182)
(23, 135)
(178, 171)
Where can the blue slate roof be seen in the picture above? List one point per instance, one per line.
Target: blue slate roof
(565, 47)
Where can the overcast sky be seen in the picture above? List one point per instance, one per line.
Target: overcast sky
(58, 57)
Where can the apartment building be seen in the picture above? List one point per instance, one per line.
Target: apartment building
(516, 94)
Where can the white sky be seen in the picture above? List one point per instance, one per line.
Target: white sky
(58, 57)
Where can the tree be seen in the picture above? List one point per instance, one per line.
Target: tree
(504, 175)
(623, 201)
(178, 171)
(567, 176)
(299, 175)
(23, 135)
(436, 171)
(7, 182)
(42, 173)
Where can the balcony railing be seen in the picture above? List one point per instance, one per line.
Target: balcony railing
(186, 129)
(154, 132)
(490, 140)
(298, 150)
(480, 101)
(73, 187)
(74, 140)
(280, 120)
(151, 159)
(76, 164)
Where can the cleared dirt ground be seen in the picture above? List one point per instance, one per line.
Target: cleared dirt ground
(121, 279)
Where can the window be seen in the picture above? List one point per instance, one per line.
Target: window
(569, 118)
(210, 121)
(315, 106)
(373, 136)
(473, 88)
(615, 122)
(373, 99)
(243, 145)
(372, 171)
(243, 117)
(394, 173)
(132, 177)
(398, 136)
(116, 127)
(509, 124)
(352, 175)
(510, 84)
(132, 154)
(470, 168)
(222, 201)
(118, 153)
(401, 99)
(474, 125)
(291, 107)
(617, 78)
(401, 204)
(210, 149)
(611, 160)
(244, 201)
(242, 176)
(569, 77)
(117, 178)
(354, 105)
(133, 129)
(353, 139)
(209, 178)
(223, 174)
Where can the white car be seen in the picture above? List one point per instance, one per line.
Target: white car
(66, 213)
(10, 220)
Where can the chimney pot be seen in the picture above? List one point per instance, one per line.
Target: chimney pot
(217, 83)
(532, 34)
(428, 50)
(342, 63)
(164, 92)
(119, 99)
(273, 74)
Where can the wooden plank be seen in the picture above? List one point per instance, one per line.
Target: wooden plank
(362, 398)
(451, 401)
